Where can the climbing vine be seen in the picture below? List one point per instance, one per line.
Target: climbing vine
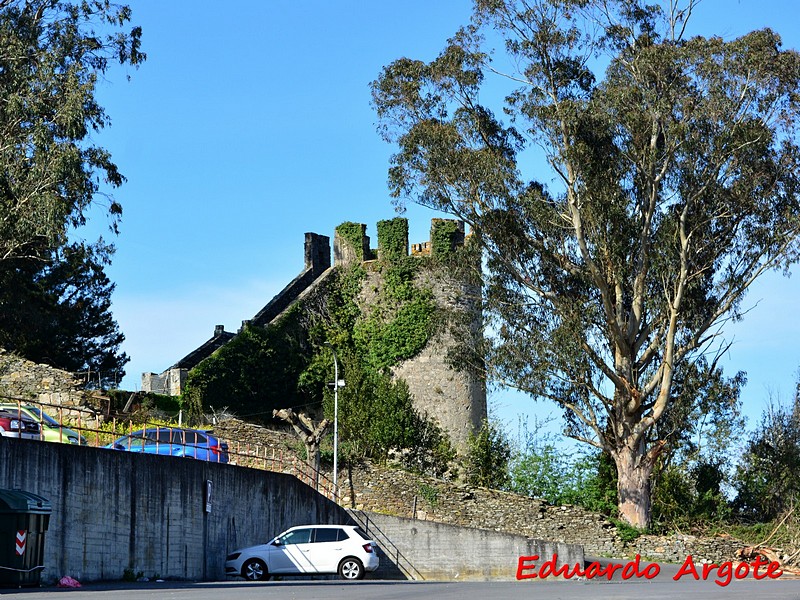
(393, 238)
(255, 372)
(443, 237)
(353, 235)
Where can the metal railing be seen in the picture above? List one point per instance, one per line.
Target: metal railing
(154, 442)
(386, 545)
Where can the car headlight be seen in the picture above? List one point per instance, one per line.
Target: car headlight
(15, 424)
(233, 556)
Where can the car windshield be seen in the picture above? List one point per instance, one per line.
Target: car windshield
(44, 416)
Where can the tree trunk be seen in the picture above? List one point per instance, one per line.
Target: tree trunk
(313, 459)
(634, 469)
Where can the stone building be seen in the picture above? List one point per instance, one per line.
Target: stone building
(456, 399)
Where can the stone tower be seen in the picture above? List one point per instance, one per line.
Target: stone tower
(455, 399)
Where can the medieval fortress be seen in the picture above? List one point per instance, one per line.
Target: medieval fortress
(455, 398)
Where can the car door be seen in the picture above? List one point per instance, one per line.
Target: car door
(163, 438)
(326, 549)
(181, 443)
(290, 552)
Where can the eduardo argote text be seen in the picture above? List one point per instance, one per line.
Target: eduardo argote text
(529, 567)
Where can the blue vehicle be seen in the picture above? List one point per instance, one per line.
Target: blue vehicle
(192, 443)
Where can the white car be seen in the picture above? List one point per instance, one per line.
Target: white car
(307, 550)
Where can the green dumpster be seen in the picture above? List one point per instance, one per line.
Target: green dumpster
(24, 518)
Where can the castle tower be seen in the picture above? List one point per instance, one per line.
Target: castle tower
(454, 398)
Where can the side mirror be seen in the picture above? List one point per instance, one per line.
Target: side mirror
(276, 542)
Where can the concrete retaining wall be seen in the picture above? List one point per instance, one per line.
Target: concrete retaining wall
(116, 511)
(446, 552)
(113, 511)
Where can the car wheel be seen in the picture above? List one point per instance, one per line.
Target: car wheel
(255, 570)
(351, 569)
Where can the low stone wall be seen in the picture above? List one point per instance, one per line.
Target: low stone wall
(26, 379)
(676, 548)
(397, 492)
(55, 390)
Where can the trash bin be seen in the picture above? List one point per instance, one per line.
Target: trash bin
(24, 518)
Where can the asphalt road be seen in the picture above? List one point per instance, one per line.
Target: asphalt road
(658, 588)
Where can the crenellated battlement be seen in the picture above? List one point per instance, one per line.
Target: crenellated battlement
(352, 244)
(456, 399)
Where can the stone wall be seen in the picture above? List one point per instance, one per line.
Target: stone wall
(393, 491)
(169, 383)
(400, 493)
(455, 399)
(57, 391)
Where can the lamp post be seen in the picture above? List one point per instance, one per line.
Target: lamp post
(335, 424)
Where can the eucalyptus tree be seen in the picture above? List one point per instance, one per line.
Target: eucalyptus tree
(52, 53)
(55, 296)
(639, 183)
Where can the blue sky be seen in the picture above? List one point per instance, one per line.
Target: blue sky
(250, 125)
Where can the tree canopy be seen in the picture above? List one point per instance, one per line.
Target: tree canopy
(642, 180)
(52, 53)
(59, 312)
(50, 171)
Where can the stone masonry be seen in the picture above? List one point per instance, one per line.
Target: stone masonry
(393, 491)
(456, 399)
(57, 392)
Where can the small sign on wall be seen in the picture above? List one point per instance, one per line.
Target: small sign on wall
(208, 496)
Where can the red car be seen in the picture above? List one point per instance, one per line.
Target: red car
(15, 425)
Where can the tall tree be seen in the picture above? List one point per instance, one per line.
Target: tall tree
(55, 297)
(50, 172)
(58, 312)
(673, 163)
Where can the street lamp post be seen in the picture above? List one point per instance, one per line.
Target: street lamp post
(335, 424)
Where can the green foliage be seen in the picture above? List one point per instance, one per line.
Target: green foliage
(430, 494)
(254, 373)
(686, 496)
(627, 532)
(53, 55)
(393, 238)
(766, 479)
(385, 344)
(58, 312)
(704, 417)
(487, 457)
(670, 160)
(353, 235)
(129, 575)
(148, 401)
(444, 238)
(376, 416)
(559, 477)
(401, 322)
(543, 469)
(55, 298)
